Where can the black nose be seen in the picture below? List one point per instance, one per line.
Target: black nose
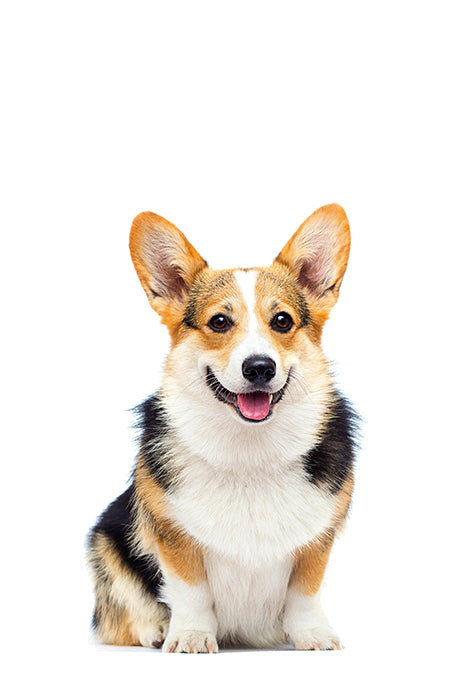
(258, 369)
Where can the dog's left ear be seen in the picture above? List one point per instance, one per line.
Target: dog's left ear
(165, 261)
(318, 252)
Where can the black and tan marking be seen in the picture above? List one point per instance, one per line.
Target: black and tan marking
(135, 538)
(330, 462)
(136, 542)
(127, 584)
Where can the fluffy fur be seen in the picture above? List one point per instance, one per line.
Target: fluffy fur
(245, 469)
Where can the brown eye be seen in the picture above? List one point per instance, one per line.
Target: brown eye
(282, 322)
(220, 323)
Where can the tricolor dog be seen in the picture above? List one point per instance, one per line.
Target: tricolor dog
(244, 473)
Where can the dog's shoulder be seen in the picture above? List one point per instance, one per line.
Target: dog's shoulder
(329, 463)
(155, 437)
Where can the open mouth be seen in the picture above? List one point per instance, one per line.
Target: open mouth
(253, 406)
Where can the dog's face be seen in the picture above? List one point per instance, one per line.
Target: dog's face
(247, 337)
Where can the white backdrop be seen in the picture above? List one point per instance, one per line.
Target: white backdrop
(235, 121)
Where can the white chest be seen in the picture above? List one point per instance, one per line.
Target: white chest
(250, 521)
(251, 517)
(248, 601)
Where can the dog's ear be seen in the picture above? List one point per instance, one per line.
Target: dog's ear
(318, 253)
(164, 260)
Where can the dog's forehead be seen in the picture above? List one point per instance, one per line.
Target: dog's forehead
(248, 288)
(242, 290)
(268, 289)
(246, 284)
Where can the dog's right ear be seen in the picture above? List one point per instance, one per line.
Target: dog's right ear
(165, 261)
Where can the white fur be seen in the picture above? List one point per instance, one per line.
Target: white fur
(212, 430)
(250, 519)
(306, 624)
(253, 514)
(249, 600)
(254, 342)
(242, 490)
(191, 612)
(246, 281)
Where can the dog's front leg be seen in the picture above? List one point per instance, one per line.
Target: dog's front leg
(193, 624)
(304, 619)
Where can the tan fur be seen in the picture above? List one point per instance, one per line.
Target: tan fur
(177, 552)
(333, 258)
(157, 534)
(152, 234)
(303, 281)
(310, 564)
(276, 290)
(215, 291)
(115, 620)
(181, 555)
(123, 608)
(115, 626)
(311, 561)
(343, 503)
(149, 493)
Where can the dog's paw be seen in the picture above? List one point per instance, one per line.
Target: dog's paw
(153, 635)
(191, 642)
(322, 638)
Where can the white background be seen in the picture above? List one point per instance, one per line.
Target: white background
(235, 121)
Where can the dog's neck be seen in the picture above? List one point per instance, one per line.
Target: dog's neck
(213, 432)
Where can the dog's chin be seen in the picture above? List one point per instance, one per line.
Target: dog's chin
(252, 406)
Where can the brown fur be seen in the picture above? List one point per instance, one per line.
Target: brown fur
(343, 503)
(310, 564)
(148, 492)
(113, 620)
(182, 556)
(208, 291)
(153, 238)
(311, 561)
(186, 293)
(123, 607)
(322, 280)
(116, 624)
(156, 533)
(277, 290)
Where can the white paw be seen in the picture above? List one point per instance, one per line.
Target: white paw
(322, 638)
(153, 635)
(191, 642)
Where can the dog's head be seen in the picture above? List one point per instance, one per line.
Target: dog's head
(249, 338)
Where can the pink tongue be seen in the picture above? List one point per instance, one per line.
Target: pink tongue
(254, 406)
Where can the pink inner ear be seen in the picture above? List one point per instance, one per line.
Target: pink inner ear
(176, 286)
(166, 278)
(315, 273)
(169, 281)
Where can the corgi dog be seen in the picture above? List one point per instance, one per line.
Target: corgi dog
(244, 474)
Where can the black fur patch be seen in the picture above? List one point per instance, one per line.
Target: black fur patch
(153, 425)
(331, 461)
(189, 319)
(116, 523)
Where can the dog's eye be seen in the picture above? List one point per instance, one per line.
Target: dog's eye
(220, 323)
(282, 322)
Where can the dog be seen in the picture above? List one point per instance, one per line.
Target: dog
(244, 474)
